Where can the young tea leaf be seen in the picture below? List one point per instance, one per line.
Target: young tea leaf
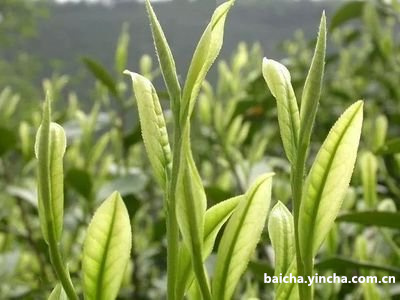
(49, 150)
(328, 180)
(215, 217)
(204, 56)
(191, 204)
(281, 233)
(165, 59)
(312, 87)
(278, 79)
(154, 131)
(58, 293)
(240, 237)
(106, 250)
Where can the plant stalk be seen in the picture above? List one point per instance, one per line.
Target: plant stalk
(298, 170)
(172, 222)
(60, 269)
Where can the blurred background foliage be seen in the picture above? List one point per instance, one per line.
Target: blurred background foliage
(77, 52)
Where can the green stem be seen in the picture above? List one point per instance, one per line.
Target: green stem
(60, 269)
(201, 276)
(172, 223)
(305, 291)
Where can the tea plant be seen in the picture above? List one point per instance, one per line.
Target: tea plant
(318, 197)
(107, 245)
(191, 227)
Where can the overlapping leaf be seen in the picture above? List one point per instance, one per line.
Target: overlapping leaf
(215, 217)
(153, 127)
(240, 237)
(328, 180)
(165, 58)
(278, 79)
(204, 56)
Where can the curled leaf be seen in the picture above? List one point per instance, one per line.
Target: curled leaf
(49, 150)
(278, 79)
(281, 233)
(165, 58)
(204, 56)
(154, 131)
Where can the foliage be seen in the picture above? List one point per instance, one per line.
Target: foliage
(176, 227)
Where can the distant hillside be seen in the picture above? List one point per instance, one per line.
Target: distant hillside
(76, 30)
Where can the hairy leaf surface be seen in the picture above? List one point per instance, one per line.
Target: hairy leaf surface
(49, 150)
(328, 180)
(278, 80)
(240, 237)
(106, 250)
(191, 204)
(154, 131)
(281, 233)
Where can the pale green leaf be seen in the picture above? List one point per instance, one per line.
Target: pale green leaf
(328, 180)
(165, 58)
(215, 217)
(106, 250)
(204, 56)
(281, 233)
(58, 293)
(312, 87)
(191, 204)
(288, 291)
(154, 131)
(278, 80)
(369, 168)
(240, 237)
(49, 150)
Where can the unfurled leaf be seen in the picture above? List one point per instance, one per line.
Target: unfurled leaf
(240, 237)
(191, 204)
(49, 150)
(106, 250)
(328, 180)
(204, 56)
(215, 217)
(369, 168)
(58, 293)
(278, 79)
(281, 233)
(312, 87)
(153, 127)
(165, 59)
